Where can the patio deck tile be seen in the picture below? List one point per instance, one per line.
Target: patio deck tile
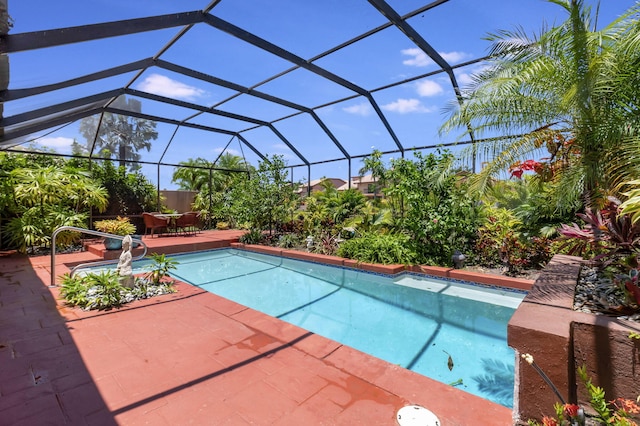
(297, 382)
(191, 358)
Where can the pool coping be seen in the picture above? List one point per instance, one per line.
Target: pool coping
(492, 280)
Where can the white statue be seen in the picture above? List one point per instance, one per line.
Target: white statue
(125, 271)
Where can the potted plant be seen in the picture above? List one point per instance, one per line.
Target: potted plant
(119, 226)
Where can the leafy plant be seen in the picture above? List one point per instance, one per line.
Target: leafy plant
(102, 290)
(288, 241)
(432, 205)
(93, 291)
(73, 290)
(631, 206)
(160, 267)
(267, 199)
(500, 243)
(130, 193)
(608, 232)
(45, 198)
(616, 412)
(326, 243)
(254, 236)
(379, 248)
(118, 226)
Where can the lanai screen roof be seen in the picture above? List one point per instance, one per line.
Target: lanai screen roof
(319, 82)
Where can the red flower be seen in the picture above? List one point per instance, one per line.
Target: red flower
(517, 172)
(518, 169)
(571, 410)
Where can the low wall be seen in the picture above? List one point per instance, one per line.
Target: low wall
(180, 201)
(561, 340)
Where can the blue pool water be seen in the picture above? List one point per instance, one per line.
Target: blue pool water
(409, 320)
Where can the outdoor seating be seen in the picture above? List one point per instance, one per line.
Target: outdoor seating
(153, 223)
(187, 223)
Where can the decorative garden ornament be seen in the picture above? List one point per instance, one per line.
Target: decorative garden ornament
(125, 271)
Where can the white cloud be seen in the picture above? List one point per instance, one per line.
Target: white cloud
(406, 106)
(59, 143)
(464, 79)
(164, 86)
(453, 57)
(281, 147)
(429, 88)
(420, 59)
(363, 109)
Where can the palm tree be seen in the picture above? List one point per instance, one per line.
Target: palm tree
(228, 162)
(120, 136)
(373, 164)
(570, 84)
(194, 176)
(196, 173)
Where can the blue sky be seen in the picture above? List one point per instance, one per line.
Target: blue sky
(306, 28)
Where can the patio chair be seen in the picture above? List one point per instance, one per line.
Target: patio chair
(188, 222)
(153, 223)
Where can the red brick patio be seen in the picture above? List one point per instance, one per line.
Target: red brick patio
(192, 358)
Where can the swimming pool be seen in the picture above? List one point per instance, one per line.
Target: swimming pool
(449, 331)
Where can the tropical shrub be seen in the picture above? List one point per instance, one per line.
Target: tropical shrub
(531, 201)
(159, 268)
(254, 236)
(631, 206)
(500, 243)
(267, 199)
(436, 209)
(326, 242)
(129, 193)
(46, 198)
(289, 241)
(608, 233)
(118, 226)
(379, 248)
(373, 217)
(93, 291)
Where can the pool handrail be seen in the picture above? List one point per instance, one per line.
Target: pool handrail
(98, 263)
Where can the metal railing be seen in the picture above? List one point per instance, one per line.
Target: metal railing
(82, 265)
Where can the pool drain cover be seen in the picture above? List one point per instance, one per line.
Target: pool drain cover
(415, 415)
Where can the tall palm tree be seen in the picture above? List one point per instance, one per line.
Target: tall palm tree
(373, 163)
(571, 84)
(120, 136)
